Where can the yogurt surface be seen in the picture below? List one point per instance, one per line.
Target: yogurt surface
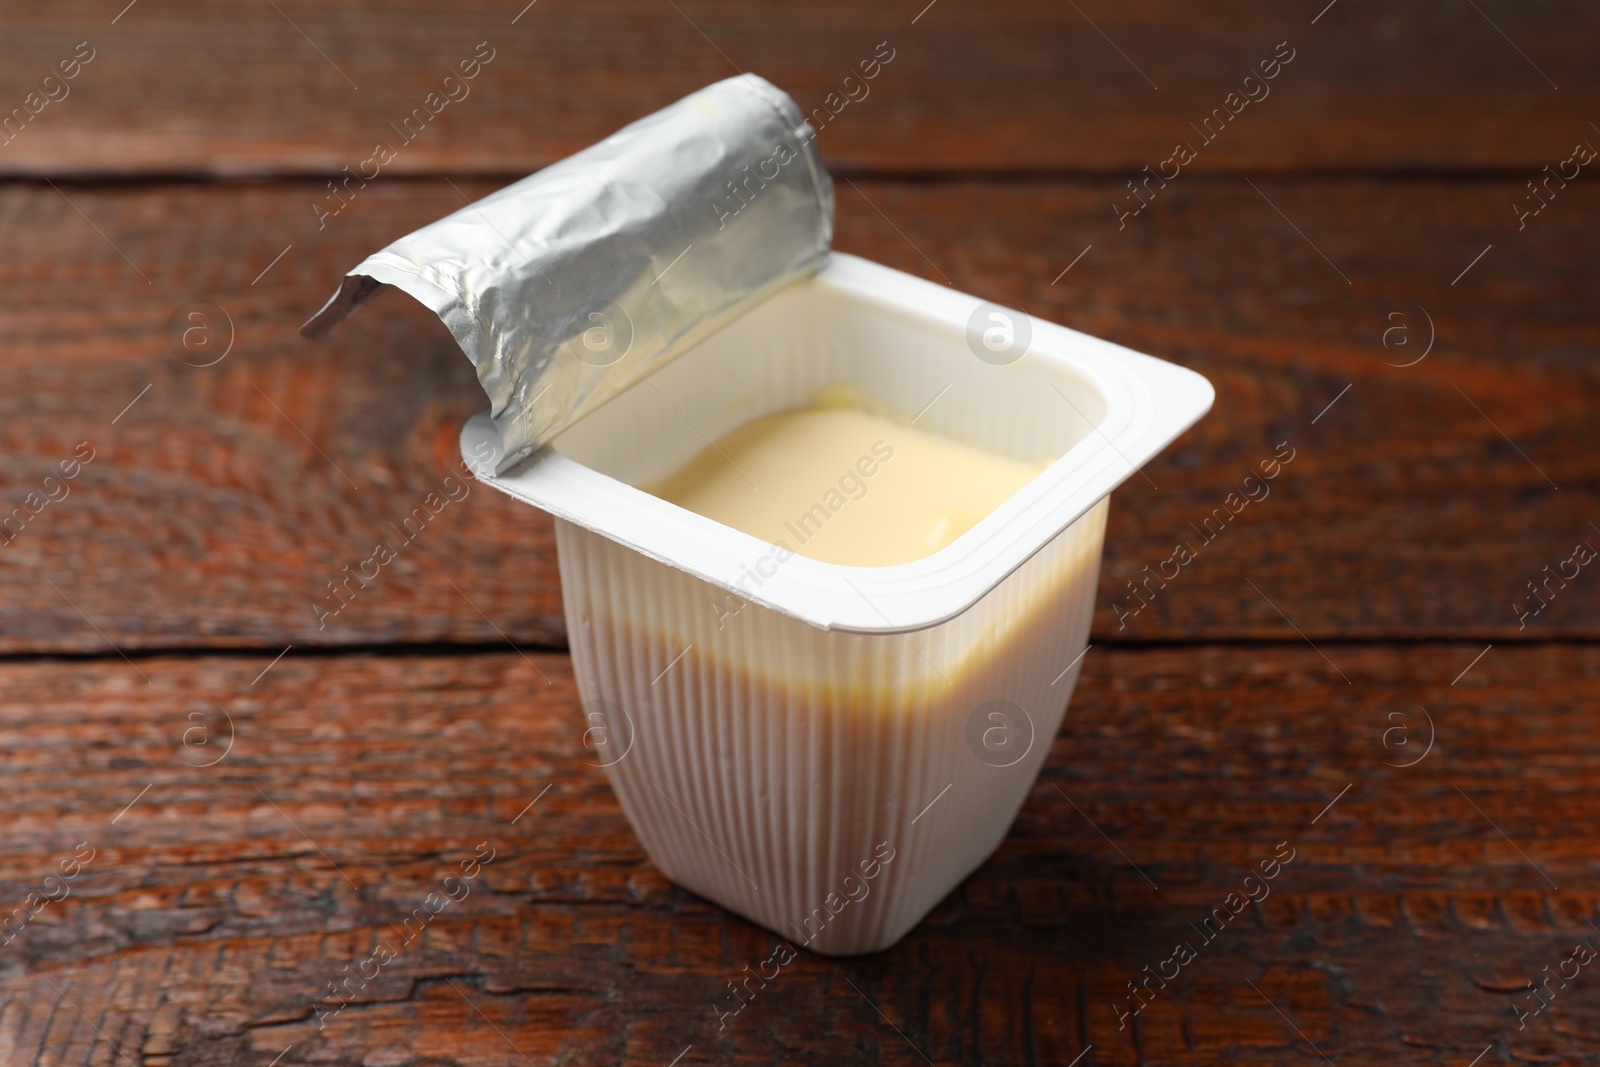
(843, 485)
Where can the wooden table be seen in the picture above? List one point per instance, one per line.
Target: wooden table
(234, 805)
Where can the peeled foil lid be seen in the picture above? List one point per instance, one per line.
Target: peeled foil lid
(573, 284)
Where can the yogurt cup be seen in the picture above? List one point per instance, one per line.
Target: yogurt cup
(829, 750)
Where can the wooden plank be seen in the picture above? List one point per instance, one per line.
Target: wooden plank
(221, 900)
(294, 88)
(220, 505)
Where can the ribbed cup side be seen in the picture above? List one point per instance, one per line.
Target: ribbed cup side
(831, 787)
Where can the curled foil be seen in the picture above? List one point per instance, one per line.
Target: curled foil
(572, 284)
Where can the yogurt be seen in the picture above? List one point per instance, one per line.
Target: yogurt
(843, 485)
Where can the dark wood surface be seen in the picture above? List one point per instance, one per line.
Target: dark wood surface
(219, 904)
(1368, 201)
(227, 496)
(1019, 85)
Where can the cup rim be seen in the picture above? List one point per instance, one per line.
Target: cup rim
(1148, 403)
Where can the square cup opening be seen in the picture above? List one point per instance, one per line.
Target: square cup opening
(1093, 411)
(816, 335)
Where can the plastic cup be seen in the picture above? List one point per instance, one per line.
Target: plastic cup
(829, 750)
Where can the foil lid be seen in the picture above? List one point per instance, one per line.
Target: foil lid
(573, 284)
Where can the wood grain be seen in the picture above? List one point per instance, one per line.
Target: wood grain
(1350, 668)
(221, 503)
(222, 901)
(203, 87)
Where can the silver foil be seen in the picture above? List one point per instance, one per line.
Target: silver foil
(578, 281)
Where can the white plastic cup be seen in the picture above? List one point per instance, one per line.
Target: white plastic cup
(829, 750)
